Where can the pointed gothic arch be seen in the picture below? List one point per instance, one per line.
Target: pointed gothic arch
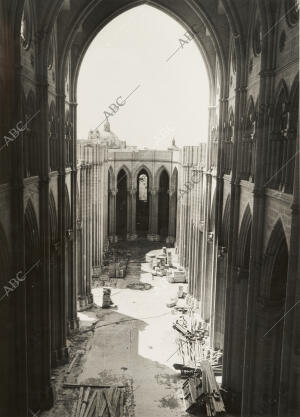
(128, 175)
(275, 265)
(224, 238)
(158, 173)
(270, 323)
(143, 200)
(243, 255)
(137, 171)
(122, 203)
(163, 202)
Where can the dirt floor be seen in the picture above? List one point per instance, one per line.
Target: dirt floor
(131, 344)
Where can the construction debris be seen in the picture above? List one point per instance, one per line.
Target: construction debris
(162, 265)
(201, 392)
(200, 364)
(142, 286)
(109, 402)
(77, 355)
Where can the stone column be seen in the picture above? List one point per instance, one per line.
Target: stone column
(172, 216)
(73, 319)
(112, 207)
(82, 272)
(89, 236)
(153, 217)
(131, 215)
(130, 234)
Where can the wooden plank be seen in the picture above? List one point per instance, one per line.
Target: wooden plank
(84, 402)
(79, 402)
(115, 400)
(102, 405)
(108, 397)
(73, 362)
(71, 385)
(121, 407)
(74, 409)
(104, 402)
(98, 403)
(91, 406)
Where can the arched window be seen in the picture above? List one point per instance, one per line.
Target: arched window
(122, 203)
(143, 187)
(142, 202)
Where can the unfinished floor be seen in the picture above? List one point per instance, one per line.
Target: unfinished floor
(132, 344)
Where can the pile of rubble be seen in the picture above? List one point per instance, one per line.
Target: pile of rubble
(162, 265)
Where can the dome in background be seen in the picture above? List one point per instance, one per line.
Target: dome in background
(107, 137)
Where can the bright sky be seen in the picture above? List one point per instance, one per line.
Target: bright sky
(172, 97)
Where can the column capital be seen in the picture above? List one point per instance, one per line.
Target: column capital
(113, 192)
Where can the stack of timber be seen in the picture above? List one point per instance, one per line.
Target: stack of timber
(192, 394)
(194, 347)
(193, 352)
(201, 392)
(96, 401)
(213, 399)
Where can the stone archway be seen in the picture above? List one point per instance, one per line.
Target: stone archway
(142, 202)
(121, 204)
(235, 330)
(269, 325)
(163, 205)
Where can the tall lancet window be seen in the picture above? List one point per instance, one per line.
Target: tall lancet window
(143, 187)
